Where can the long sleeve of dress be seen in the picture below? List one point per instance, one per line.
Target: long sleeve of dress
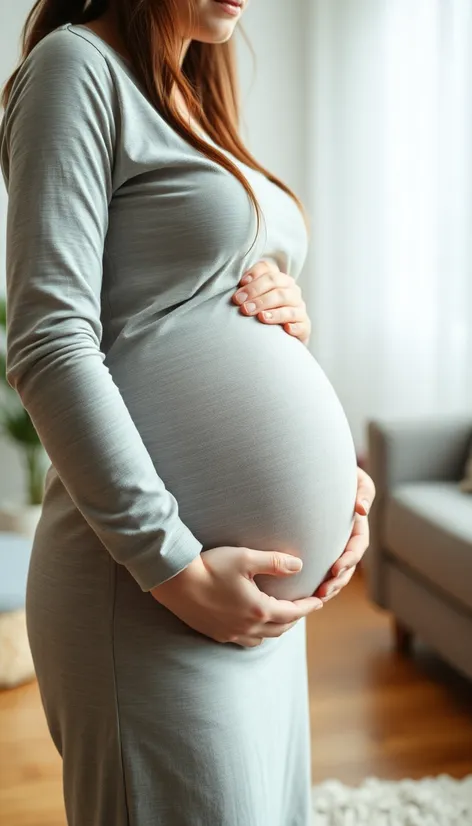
(57, 152)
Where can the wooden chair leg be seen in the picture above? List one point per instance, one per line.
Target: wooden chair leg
(403, 637)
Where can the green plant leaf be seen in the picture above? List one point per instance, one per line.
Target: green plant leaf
(3, 313)
(17, 425)
(3, 323)
(3, 369)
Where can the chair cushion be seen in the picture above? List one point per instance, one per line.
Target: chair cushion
(15, 552)
(428, 526)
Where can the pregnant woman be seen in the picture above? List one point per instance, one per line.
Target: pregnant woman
(198, 452)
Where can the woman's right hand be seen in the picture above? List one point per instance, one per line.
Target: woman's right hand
(217, 596)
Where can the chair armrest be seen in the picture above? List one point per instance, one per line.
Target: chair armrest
(416, 450)
(409, 450)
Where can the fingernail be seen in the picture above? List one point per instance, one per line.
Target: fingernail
(366, 505)
(250, 306)
(293, 563)
(246, 279)
(341, 572)
(240, 297)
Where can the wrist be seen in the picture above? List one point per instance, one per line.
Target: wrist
(187, 577)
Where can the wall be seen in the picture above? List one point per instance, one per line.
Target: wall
(274, 115)
(12, 16)
(274, 93)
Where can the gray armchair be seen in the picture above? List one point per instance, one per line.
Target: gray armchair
(419, 563)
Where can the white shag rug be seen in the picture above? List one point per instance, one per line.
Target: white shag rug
(433, 801)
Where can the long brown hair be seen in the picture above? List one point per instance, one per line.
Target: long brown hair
(207, 80)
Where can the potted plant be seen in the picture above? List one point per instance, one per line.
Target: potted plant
(16, 426)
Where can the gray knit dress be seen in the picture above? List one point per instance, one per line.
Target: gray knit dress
(173, 424)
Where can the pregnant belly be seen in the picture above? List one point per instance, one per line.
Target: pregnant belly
(247, 432)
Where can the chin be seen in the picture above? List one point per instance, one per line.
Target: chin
(220, 37)
(214, 26)
(217, 33)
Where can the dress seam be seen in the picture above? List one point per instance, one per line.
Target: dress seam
(113, 567)
(94, 46)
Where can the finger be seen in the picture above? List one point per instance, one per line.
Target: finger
(335, 584)
(306, 605)
(262, 285)
(334, 593)
(338, 585)
(265, 279)
(274, 629)
(299, 329)
(276, 297)
(283, 315)
(275, 563)
(365, 492)
(259, 269)
(352, 556)
(357, 545)
(283, 611)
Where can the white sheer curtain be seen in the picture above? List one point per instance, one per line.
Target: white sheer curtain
(390, 192)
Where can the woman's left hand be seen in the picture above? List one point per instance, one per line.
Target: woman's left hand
(275, 298)
(343, 569)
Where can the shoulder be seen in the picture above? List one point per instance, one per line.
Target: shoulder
(66, 48)
(63, 77)
(63, 95)
(64, 64)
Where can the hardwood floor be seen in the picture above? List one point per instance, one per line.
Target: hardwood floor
(377, 712)
(373, 712)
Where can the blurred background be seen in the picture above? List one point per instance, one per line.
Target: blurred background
(364, 107)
